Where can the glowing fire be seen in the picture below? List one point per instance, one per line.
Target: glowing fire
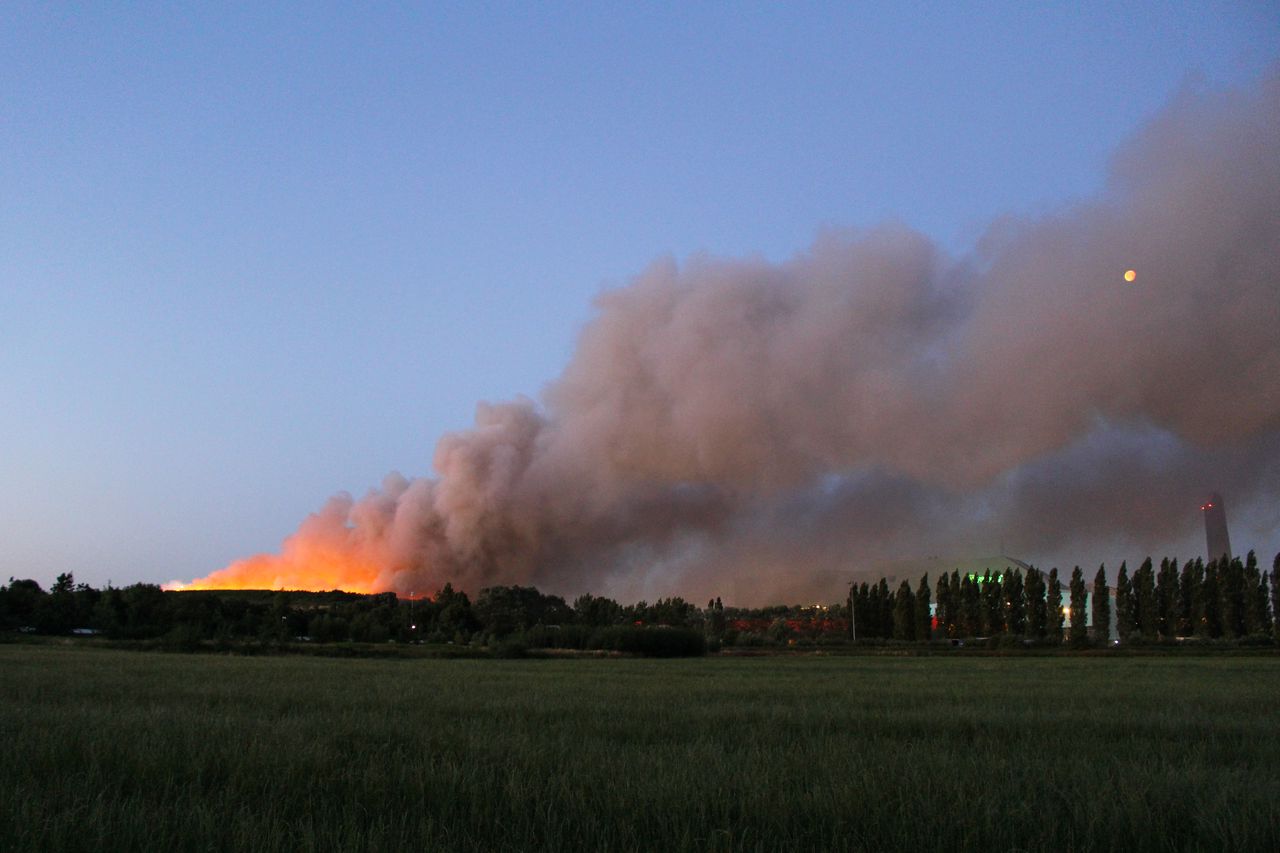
(267, 571)
(307, 562)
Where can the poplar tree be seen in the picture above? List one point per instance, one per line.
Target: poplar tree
(956, 603)
(1101, 608)
(993, 604)
(1015, 604)
(1037, 612)
(1079, 614)
(983, 586)
(869, 618)
(946, 616)
(1167, 598)
(1252, 613)
(1263, 595)
(1231, 591)
(1211, 603)
(1187, 594)
(1126, 625)
(1054, 606)
(1200, 589)
(886, 610)
(1275, 597)
(971, 606)
(924, 619)
(861, 611)
(904, 617)
(1144, 583)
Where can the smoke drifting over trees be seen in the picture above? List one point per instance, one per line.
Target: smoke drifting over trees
(742, 425)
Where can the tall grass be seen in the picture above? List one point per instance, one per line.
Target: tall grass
(108, 750)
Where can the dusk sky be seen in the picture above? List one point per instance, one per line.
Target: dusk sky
(254, 256)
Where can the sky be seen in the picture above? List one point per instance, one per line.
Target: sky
(253, 255)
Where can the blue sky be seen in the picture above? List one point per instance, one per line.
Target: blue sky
(254, 254)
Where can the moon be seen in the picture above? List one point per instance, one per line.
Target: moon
(1130, 275)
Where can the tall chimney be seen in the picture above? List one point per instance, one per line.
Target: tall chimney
(1215, 528)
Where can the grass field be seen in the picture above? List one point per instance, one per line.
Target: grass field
(117, 750)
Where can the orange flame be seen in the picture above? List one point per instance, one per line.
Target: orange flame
(320, 572)
(323, 554)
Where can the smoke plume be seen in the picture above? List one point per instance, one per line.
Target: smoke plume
(743, 427)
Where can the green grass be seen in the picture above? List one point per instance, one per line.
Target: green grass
(115, 750)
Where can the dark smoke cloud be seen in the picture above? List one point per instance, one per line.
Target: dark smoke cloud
(764, 428)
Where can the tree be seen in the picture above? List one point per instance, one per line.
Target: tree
(454, 617)
(1101, 608)
(1037, 607)
(19, 602)
(674, 612)
(598, 612)
(1188, 593)
(1210, 601)
(1079, 612)
(1015, 604)
(971, 604)
(886, 610)
(904, 613)
(924, 619)
(993, 604)
(1255, 605)
(1262, 596)
(147, 612)
(1054, 602)
(328, 629)
(56, 613)
(1144, 588)
(957, 605)
(874, 610)
(944, 609)
(1126, 623)
(504, 610)
(1231, 590)
(862, 612)
(1275, 597)
(1167, 598)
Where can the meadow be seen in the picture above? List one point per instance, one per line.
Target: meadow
(121, 750)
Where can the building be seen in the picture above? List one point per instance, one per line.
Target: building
(1215, 528)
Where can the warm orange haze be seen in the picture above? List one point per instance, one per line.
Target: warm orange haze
(319, 572)
(752, 427)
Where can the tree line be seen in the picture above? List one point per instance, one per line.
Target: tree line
(522, 615)
(1230, 599)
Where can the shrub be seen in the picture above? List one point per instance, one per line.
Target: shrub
(512, 646)
(654, 642)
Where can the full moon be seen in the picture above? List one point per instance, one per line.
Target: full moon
(1130, 275)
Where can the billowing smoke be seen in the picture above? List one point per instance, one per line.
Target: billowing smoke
(740, 427)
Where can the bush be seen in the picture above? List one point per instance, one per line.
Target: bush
(656, 642)
(513, 646)
(183, 638)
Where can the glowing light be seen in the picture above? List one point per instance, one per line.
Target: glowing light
(1130, 275)
(302, 566)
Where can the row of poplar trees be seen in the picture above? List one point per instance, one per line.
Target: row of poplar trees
(1223, 599)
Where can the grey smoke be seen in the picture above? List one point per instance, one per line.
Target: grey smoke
(761, 427)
